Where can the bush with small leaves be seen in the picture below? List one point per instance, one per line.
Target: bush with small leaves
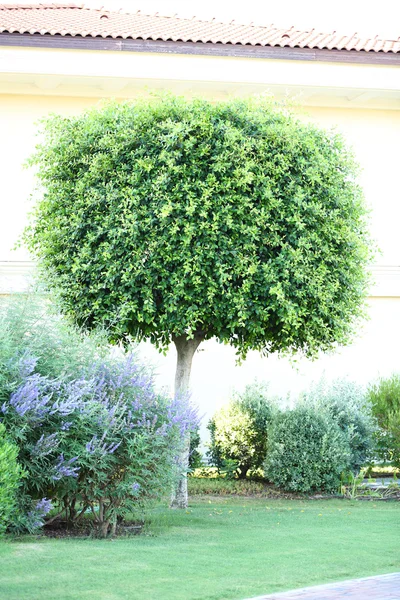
(384, 396)
(239, 430)
(347, 403)
(307, 451)
(195, 456)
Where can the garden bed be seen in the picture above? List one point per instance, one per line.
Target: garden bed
(214, 486)
(63, 529)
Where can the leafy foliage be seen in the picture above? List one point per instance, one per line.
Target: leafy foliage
(99, 438)
(172, 217)
(195, 456)
(385, 399)
(346, 402)
(30, 324)
(239, 431)
(306, 451)
(10, 477)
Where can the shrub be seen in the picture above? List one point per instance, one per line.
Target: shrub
(10, 477)
(346, 402)
(195, 456)
(239, 431)
(29, 324)
(306, 451)
(105, 440)
(385, 401)
(98, 438)
(226, 487)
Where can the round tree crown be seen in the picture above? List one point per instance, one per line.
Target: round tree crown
(172, 217)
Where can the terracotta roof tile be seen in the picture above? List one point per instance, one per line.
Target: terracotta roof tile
(70, 19)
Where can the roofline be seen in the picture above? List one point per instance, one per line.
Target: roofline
(195, 48)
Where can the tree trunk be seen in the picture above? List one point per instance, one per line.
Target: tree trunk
(114, 527)
(104, 528)
(243, 472)
(185, 351)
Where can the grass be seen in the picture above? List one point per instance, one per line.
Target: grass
(220, 549)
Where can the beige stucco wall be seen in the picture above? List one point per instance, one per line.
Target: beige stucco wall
(374, 134)
(19, 116)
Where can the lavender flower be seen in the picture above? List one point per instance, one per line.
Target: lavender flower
(111, 449)
(27, 365)
(63, 468)
(183, 414)
(44, 506)
(65, 426)
(31, 397)
(45, 445)
(121, 375)
(100, 446)
(40, 396)
(73, 397)
(91, 446)
(35, 516)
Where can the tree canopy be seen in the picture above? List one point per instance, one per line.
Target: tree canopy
(171, 217)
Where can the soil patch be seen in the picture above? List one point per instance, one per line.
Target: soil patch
(88, 529)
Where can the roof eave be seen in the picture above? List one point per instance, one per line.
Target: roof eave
(195, 48)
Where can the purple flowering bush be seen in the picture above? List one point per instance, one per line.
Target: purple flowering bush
(95, 439)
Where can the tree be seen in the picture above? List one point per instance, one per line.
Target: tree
(179, 221)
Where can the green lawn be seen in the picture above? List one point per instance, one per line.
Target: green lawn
(220, 549)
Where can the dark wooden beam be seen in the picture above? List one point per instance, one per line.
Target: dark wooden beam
(196, 48)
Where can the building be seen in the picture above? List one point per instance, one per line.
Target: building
(63, 58)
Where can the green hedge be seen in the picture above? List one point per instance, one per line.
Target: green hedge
(306, 451)
(10, 476)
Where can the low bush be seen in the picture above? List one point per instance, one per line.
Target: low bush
(228, 487)
(10, 479)
(384, 396)
(347, 403)
(239, 431)
(307, 451)
(95, 438)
